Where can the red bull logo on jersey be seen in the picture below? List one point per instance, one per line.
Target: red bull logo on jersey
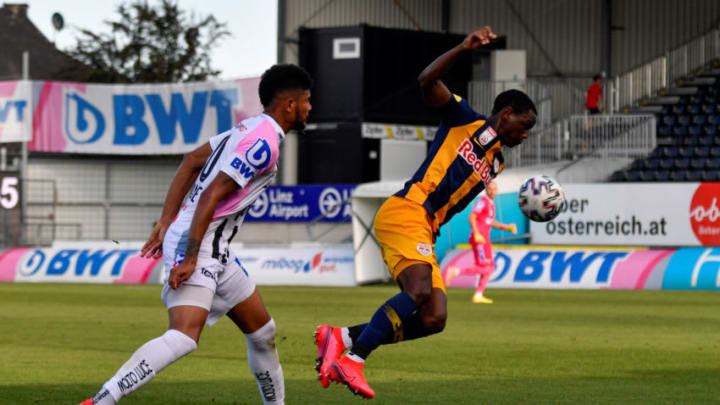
(480, 165)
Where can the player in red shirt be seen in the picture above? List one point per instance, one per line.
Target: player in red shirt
(482, 218)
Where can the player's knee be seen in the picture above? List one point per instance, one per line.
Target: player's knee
(420, 292)
(264, 338)
(180, 343)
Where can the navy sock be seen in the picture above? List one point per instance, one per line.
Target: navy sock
(355, 332)
(386, 325)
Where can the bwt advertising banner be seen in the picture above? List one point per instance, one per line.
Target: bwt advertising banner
(107, 262)
(680, 214)
(132, 119)
(590, 268)
(327, 203)
(80, 262)
(15, 112)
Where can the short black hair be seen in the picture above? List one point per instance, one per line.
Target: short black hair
(282, 77)
(596, 77)
(519, 101)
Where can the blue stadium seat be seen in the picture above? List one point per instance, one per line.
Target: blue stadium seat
(701, 151)
(693, 109)
(667, 140)
(714, 119)
(699, 119)
(678, 109)
(683, 120)
(666, 164)
(680, 163)
(697, 163)
(690, 141)
(695, 130)
(710, 129)
(717, 108)
(712, 163)
(680, 130)
(694, 100)
(716, 140)
(715, 151)
(664, 130)
(669, 120)
(638, 164)
(670, 152)
(694, 175)
(710, 175)
(707, 108)
(662, 175)
(679, 175)
(683, 99)
(705, 140)
(618, 176)
(684, 151)
(651, 163)
(709, 99)
(635, 175)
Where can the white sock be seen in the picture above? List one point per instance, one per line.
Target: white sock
(354, 357)
(144, 364)
(346, 337)
(265, 364)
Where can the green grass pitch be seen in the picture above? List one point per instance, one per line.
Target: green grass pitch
(60, 342)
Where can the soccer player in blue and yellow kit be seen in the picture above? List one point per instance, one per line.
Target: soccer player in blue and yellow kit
(463, 158)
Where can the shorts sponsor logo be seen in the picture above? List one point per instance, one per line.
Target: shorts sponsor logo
(138, 373)
(266, 386)
(705, 214)
(479, 164)
(424, 249)
(209, 274)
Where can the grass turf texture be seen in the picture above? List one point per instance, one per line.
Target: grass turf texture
(60, 342)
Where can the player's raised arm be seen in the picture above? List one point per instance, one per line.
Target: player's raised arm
(221, 187)
(186, 175)
(434, 91)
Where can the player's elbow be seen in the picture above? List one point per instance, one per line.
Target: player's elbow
(435, 323)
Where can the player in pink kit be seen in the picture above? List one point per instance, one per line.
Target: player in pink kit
(482, 218)
(207, 281)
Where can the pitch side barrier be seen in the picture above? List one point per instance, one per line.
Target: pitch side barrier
(597, 268)
(109, 262)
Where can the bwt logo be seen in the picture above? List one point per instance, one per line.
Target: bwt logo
(75, 262)
(257, 158)
(12, 105)
(569, 266)
(85, 123)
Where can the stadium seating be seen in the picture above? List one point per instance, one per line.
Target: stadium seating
(688, 138)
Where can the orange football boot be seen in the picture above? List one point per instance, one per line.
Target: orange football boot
(350, 373)
(330, 347)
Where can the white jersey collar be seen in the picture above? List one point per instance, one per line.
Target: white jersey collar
(278, 128)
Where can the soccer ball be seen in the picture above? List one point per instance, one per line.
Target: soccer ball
(541, 198)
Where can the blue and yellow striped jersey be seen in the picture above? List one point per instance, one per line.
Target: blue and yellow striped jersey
(465, 154)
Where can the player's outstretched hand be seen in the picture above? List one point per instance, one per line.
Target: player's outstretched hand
(512, 228)
(180, 273)
(479, 37)
(153, 247)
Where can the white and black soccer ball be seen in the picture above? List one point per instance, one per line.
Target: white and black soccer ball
(541, 198)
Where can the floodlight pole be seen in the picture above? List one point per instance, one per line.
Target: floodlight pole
(24, 153)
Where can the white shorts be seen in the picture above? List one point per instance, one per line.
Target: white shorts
(230, 285)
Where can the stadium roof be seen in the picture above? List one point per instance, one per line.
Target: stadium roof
(18, 34)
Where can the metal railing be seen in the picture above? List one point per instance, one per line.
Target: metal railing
(629, 136)
(646, 81)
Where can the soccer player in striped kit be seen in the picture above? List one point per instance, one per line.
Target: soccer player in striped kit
(465, 155)
(207, 280)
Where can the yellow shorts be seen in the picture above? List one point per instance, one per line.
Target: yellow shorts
(402, 227)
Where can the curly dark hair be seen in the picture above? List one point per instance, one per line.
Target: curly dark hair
(280, 78)
(519, 101)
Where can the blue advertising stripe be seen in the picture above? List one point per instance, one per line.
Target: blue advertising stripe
(693, 269)
(310, 203)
